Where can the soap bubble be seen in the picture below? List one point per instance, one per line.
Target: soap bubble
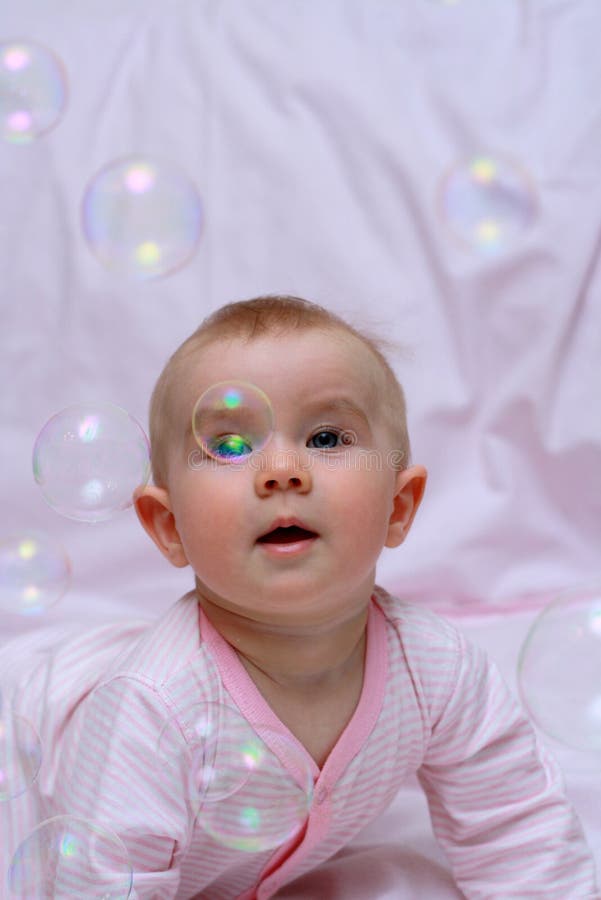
(20, 755)
(89, 458)
(35, 573)
(487, 203)
(243, 794)
(32, 90)
(559, 669)
(231, 420)
(209, 726)
(66, 857)
(142, 217)
(273, 803)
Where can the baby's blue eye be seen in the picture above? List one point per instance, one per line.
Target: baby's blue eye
(323, 439)
(230, 446)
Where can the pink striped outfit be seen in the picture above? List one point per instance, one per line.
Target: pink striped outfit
(431, 704)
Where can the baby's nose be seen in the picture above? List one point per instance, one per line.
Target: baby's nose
(282, 470)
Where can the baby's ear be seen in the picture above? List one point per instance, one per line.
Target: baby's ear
(154, 512)
(409, 490)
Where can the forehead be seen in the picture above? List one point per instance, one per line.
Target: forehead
(288, 366)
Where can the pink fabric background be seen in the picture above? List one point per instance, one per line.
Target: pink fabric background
(317, 134)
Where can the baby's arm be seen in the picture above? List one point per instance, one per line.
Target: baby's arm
(110, 772)
(496, 797)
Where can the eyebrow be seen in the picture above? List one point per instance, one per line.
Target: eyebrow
(338, 404)
(215, 416)
(333, 404)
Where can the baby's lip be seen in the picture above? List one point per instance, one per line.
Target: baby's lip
(287, 522)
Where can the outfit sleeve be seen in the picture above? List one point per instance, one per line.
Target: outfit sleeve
(496, 797)
(111, 771)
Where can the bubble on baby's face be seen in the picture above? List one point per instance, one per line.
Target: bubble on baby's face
(35, 573)
(32, 90)
(71, 857)
(89, 458)
(20, 754)
(231, 420)
(142, 217)
(559, 669)
(487, 203)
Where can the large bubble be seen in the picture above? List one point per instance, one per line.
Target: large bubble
(68, 857)
(211, 726)
(32, 90)
(20, 754)
(244, 796)
(559, 669)
(487, 203)
(271, 806)
(89, 458)
(35, 573)
(142, 217)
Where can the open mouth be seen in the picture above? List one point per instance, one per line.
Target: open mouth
(286, 535)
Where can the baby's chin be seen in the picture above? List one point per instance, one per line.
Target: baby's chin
(305, 616)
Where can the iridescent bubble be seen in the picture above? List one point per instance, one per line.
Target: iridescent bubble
(231, 420)
(559, 669)
(221, 744)
(32, 90)
(35, 573)
(66, 857)
(243, 795)
(20, 755)
(487, 202)
(273, 803)
(89, 458)
(142, 217)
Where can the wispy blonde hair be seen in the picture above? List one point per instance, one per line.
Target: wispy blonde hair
(272, 314)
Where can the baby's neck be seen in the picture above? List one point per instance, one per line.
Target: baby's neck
(299, 660)
(310, 675)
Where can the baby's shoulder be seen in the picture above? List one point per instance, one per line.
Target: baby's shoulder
(67, 661)
(426, 653)
(62, 668)
(417, 632)
(60, 647)
(164, 645)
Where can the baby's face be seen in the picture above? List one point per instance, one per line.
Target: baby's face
(342, 493)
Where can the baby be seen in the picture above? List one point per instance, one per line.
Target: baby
(350, 689)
